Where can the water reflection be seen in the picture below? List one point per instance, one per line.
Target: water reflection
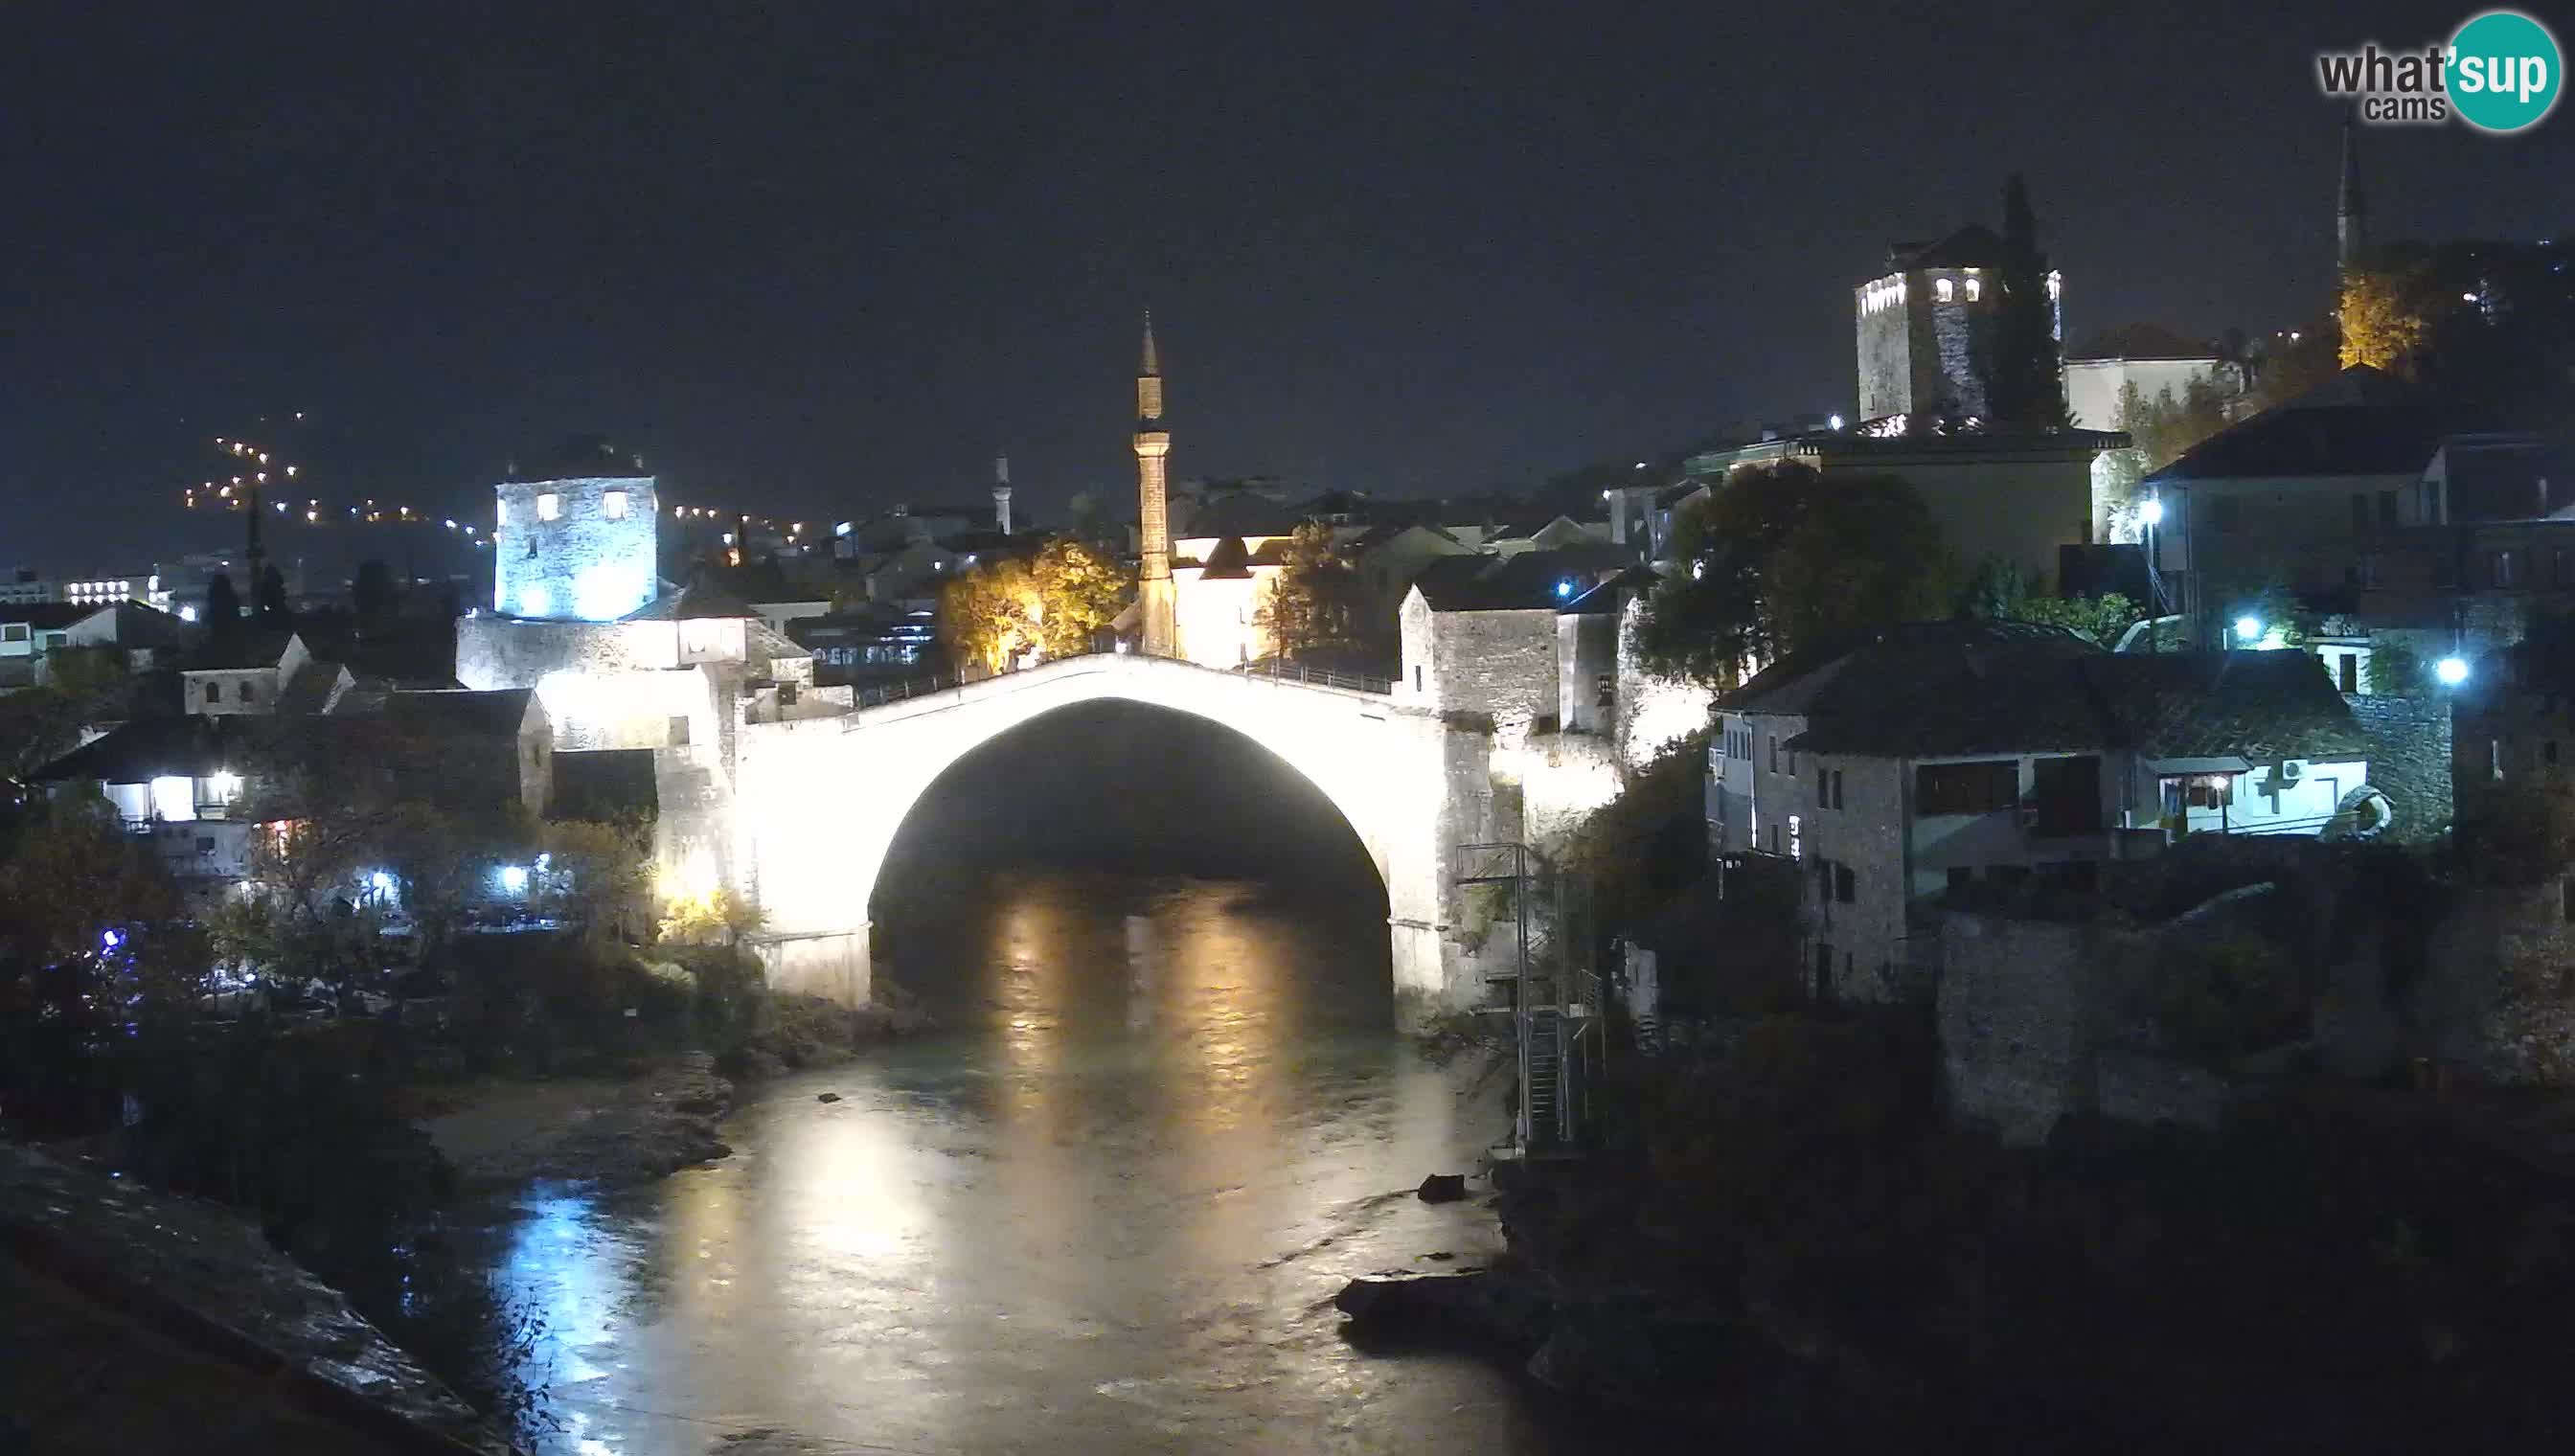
(1104, 1209)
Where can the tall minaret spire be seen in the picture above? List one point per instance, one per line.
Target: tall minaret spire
(2352, 211)
(1155, 601)
(1002, 493)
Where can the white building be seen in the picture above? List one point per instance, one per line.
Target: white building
(1937, 757)
(2156, 361)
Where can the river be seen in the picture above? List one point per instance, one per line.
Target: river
(1103, 1207)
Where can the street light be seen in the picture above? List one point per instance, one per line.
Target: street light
(2152, 512)
(2452, 670)
(2248, 628)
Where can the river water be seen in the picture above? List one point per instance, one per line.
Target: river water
(1103, 1207)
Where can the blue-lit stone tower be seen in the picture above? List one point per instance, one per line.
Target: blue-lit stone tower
(577, 541)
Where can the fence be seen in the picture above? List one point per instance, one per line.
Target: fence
(886, 693)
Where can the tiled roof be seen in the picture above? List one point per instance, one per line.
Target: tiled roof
(243, 647)
(46, 616)
(1227, 561)
(1973, 246)
(493, 712)
(580, 456)
(2361, 423)
(1944, 690)
(181, 746)
(1528, 582)
(690, 603)
(603, 784)
(1239, 513)
(2139, 341)
(2264, 707)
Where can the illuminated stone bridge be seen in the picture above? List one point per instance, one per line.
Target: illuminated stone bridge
(818, 800)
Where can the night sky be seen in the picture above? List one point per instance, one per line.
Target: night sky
(821, 258)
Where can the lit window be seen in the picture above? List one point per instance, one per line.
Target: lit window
(500, 513)
(549, 507)
(1944, 288)
(1975, 288)
(613, 504)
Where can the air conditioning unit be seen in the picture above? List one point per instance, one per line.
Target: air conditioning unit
(2289, 770)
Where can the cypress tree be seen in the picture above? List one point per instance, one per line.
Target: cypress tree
(2026, 388)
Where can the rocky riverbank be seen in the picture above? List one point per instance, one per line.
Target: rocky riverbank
(144, 1321)
(503, 1131)
(1785, 1239)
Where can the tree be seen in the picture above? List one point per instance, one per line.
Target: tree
(2395, 667)
(987, 615)
(371, 592)
(223, 604)
(2165, 428)
(2025, 383)
(96, 962)
(2381, 327)
(1772, 561)
(1311, 604)
(272, 599)
(710, 917)
(1080, 590)
(1053, 604)
(598, 875)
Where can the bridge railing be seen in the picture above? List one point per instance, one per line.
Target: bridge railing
(1322, 678)
(911, 688)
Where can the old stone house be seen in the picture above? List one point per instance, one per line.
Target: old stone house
(1935, 755)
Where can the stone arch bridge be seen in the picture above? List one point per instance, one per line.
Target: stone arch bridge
(818, 801)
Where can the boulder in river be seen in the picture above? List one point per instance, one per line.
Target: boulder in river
(1504, 1305)
(1443, 1189)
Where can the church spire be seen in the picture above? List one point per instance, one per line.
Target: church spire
(2352, 211)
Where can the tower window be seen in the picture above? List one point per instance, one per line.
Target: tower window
(613, 504)
(549, 507)
(1975, 288)
(1944, 288)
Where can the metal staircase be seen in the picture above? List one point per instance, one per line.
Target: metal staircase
(1549, 991)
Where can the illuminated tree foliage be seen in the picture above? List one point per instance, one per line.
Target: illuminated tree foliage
(1080, 590)
(1773, 561)
(2165, 427)
(1053, 604)
(1311, 605)
(2381, 327)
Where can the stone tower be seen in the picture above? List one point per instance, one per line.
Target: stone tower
(1155, 601)
(1002, 493)
(575, 539)
(2352, 211)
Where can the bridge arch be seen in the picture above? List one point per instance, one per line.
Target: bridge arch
(819, 801)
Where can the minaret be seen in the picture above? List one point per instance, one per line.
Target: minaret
(1153, 592)
(1002, 493)
(2352, 212)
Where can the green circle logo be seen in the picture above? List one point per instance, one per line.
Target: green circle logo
(2504, 71)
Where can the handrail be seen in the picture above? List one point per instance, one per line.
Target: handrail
(911, 688)
(1318, 676)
